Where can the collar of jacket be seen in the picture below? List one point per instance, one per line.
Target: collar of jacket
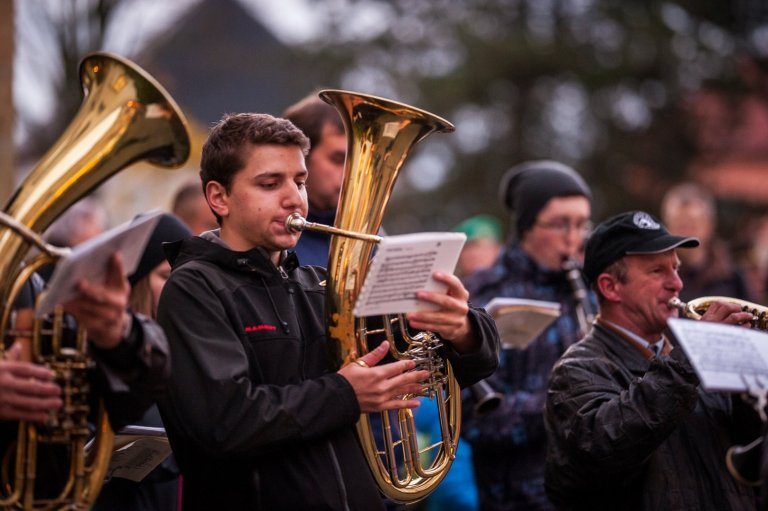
(255, 260)
(646, 353)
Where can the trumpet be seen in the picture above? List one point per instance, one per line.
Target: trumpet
(743, 461)
(696, 308)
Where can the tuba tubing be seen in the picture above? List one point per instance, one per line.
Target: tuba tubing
(125, 117)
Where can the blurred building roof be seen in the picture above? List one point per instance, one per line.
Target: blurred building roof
(218, 58)
(215, 59)
(732, 138)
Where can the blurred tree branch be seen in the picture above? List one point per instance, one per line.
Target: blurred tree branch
(601, 85)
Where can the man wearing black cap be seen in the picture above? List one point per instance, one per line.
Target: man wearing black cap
(628, 426)
(551, 203)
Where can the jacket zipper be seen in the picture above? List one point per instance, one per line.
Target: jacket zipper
(339, 478)
(331, 450)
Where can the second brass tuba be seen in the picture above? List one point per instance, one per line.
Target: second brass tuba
(380, 133)
(126, 116)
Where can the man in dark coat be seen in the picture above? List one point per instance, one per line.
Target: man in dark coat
(551, 203)
(628, 425)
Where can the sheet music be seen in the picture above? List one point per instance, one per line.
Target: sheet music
(521, 320)
(725, 357)
(403, 265)
(89, 260)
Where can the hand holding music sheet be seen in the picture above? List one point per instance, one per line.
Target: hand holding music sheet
(403, 265)
(89, 260)
(726, 357)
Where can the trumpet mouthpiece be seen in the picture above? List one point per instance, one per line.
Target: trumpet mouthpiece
(676, 303)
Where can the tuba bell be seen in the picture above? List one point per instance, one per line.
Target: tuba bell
(126, 116)
(380, 133)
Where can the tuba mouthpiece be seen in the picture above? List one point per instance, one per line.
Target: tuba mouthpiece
(295, 223)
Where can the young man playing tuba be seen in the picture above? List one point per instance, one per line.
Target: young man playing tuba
(257, 414)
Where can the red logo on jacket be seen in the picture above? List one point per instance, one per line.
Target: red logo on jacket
(256, 328)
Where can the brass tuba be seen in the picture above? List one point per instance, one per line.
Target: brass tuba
(380, 133)
(126, 116)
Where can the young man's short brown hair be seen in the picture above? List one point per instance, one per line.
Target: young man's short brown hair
(225, 150)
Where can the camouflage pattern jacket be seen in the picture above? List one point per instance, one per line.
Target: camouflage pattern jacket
(508, 444)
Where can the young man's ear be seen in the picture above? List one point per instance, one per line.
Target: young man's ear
(218, 198)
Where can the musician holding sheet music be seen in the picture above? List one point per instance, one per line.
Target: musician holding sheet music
(551, 204)
(629, 426)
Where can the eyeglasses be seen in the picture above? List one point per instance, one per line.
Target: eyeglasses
(564, 226)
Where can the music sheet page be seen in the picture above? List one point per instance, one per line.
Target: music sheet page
(726, 357)
(403, 265)
(89, 260)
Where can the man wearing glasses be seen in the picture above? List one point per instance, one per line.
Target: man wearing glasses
(550, 203)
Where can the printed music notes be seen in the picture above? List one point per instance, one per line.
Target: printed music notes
(403, 265)
(521, 320)
(726, 357)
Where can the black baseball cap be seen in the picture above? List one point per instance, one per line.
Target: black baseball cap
(631, 233)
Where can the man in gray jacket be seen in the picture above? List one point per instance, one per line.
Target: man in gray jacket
(628, 426)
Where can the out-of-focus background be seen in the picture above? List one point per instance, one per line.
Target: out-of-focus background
(636, 95)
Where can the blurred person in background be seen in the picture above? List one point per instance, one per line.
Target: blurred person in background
(82, 221)
(750, 251)
(689, 209)
(322, 124)
(189, 206)
(131, 367)
(551, 205)
(159, 490)
(482, 246)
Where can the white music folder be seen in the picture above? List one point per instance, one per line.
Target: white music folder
(89, 260)
(403, 265)
(726, 358)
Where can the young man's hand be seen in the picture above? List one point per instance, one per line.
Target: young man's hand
(380, 388)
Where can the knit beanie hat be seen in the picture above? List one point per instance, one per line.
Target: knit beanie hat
(526, 188)
(169, 228)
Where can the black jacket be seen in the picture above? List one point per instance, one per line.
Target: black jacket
(628, 433)
(256, 415)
